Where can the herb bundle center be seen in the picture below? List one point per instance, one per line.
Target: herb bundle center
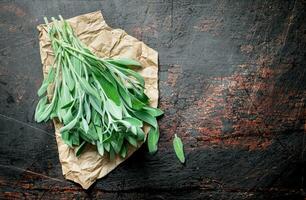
(98, 101)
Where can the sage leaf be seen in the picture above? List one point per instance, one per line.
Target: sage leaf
(85, 125)
(178, 148)
(123, 152)
(67, 105)
(153, 137)
(132, 141)
(80, 149)
(144, 116)
(46, 82)
(155, 112)
(100, 148)
(114, 110)
(124, 62)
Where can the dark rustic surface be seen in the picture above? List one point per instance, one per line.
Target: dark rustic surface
(232, 85)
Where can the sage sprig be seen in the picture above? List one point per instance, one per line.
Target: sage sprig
(179, 148)
(98, 101)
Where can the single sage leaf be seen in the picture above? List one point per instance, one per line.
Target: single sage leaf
(85, 125)
(178, 148)
(75, 138)
(132, 141)
(46, 82)
(110, 90)
(155, 112)
(123, 151)
(100, 148)
(114, 110)
(80, 149)
(153, 137)
(125, 61)
(68, 104)
(146, 117)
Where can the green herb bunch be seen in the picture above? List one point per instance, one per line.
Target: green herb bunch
(98, 101)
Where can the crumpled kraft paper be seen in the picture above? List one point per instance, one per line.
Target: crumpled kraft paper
(106, 43)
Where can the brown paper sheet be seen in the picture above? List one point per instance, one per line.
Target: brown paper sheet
(106, 43)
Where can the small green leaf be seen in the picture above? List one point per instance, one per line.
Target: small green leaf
(107, 146)
(88, 88)
(67, 117)
(153, 137)
(45, 114)
(99, 132)
(134, 121)
(92, 132)
(140, 95)
(140, 134)
(75, 138)
(133, 130)
(46, 82)
(117, 144)
(109, 89)
(87, 110)
(178, 148)
(146, 117)
(124, 61)
(136, 104)
(77, 64)
(134, 74)
(85, 125)
(155, 112)
(100, 148)
(96, 105)
(68, 104)
(66, 137)
(80, 149)
(131, 121)
(131, 140)
(51, 75)
(86, 137)
(123, 151)
(42, 89)
(40, 107)
(111, 154)
(65, 96)
(125, 96)
(114, 110)
(95, 118)
(68, 79)
(70, 125)
(107, 139)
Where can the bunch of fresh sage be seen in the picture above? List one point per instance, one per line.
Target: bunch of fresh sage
(98, 101)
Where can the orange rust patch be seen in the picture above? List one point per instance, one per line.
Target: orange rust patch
(266, 73)
(149, 29)
(13, 9)
(209, 25)
(26, 185)
(237, 110)
(250, 143)
(242, 66)
(13, 195)
(246, 48)
(173, 74)
(12, 29)
(264, 60)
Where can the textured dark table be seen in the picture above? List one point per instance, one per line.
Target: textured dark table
(232, 84)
